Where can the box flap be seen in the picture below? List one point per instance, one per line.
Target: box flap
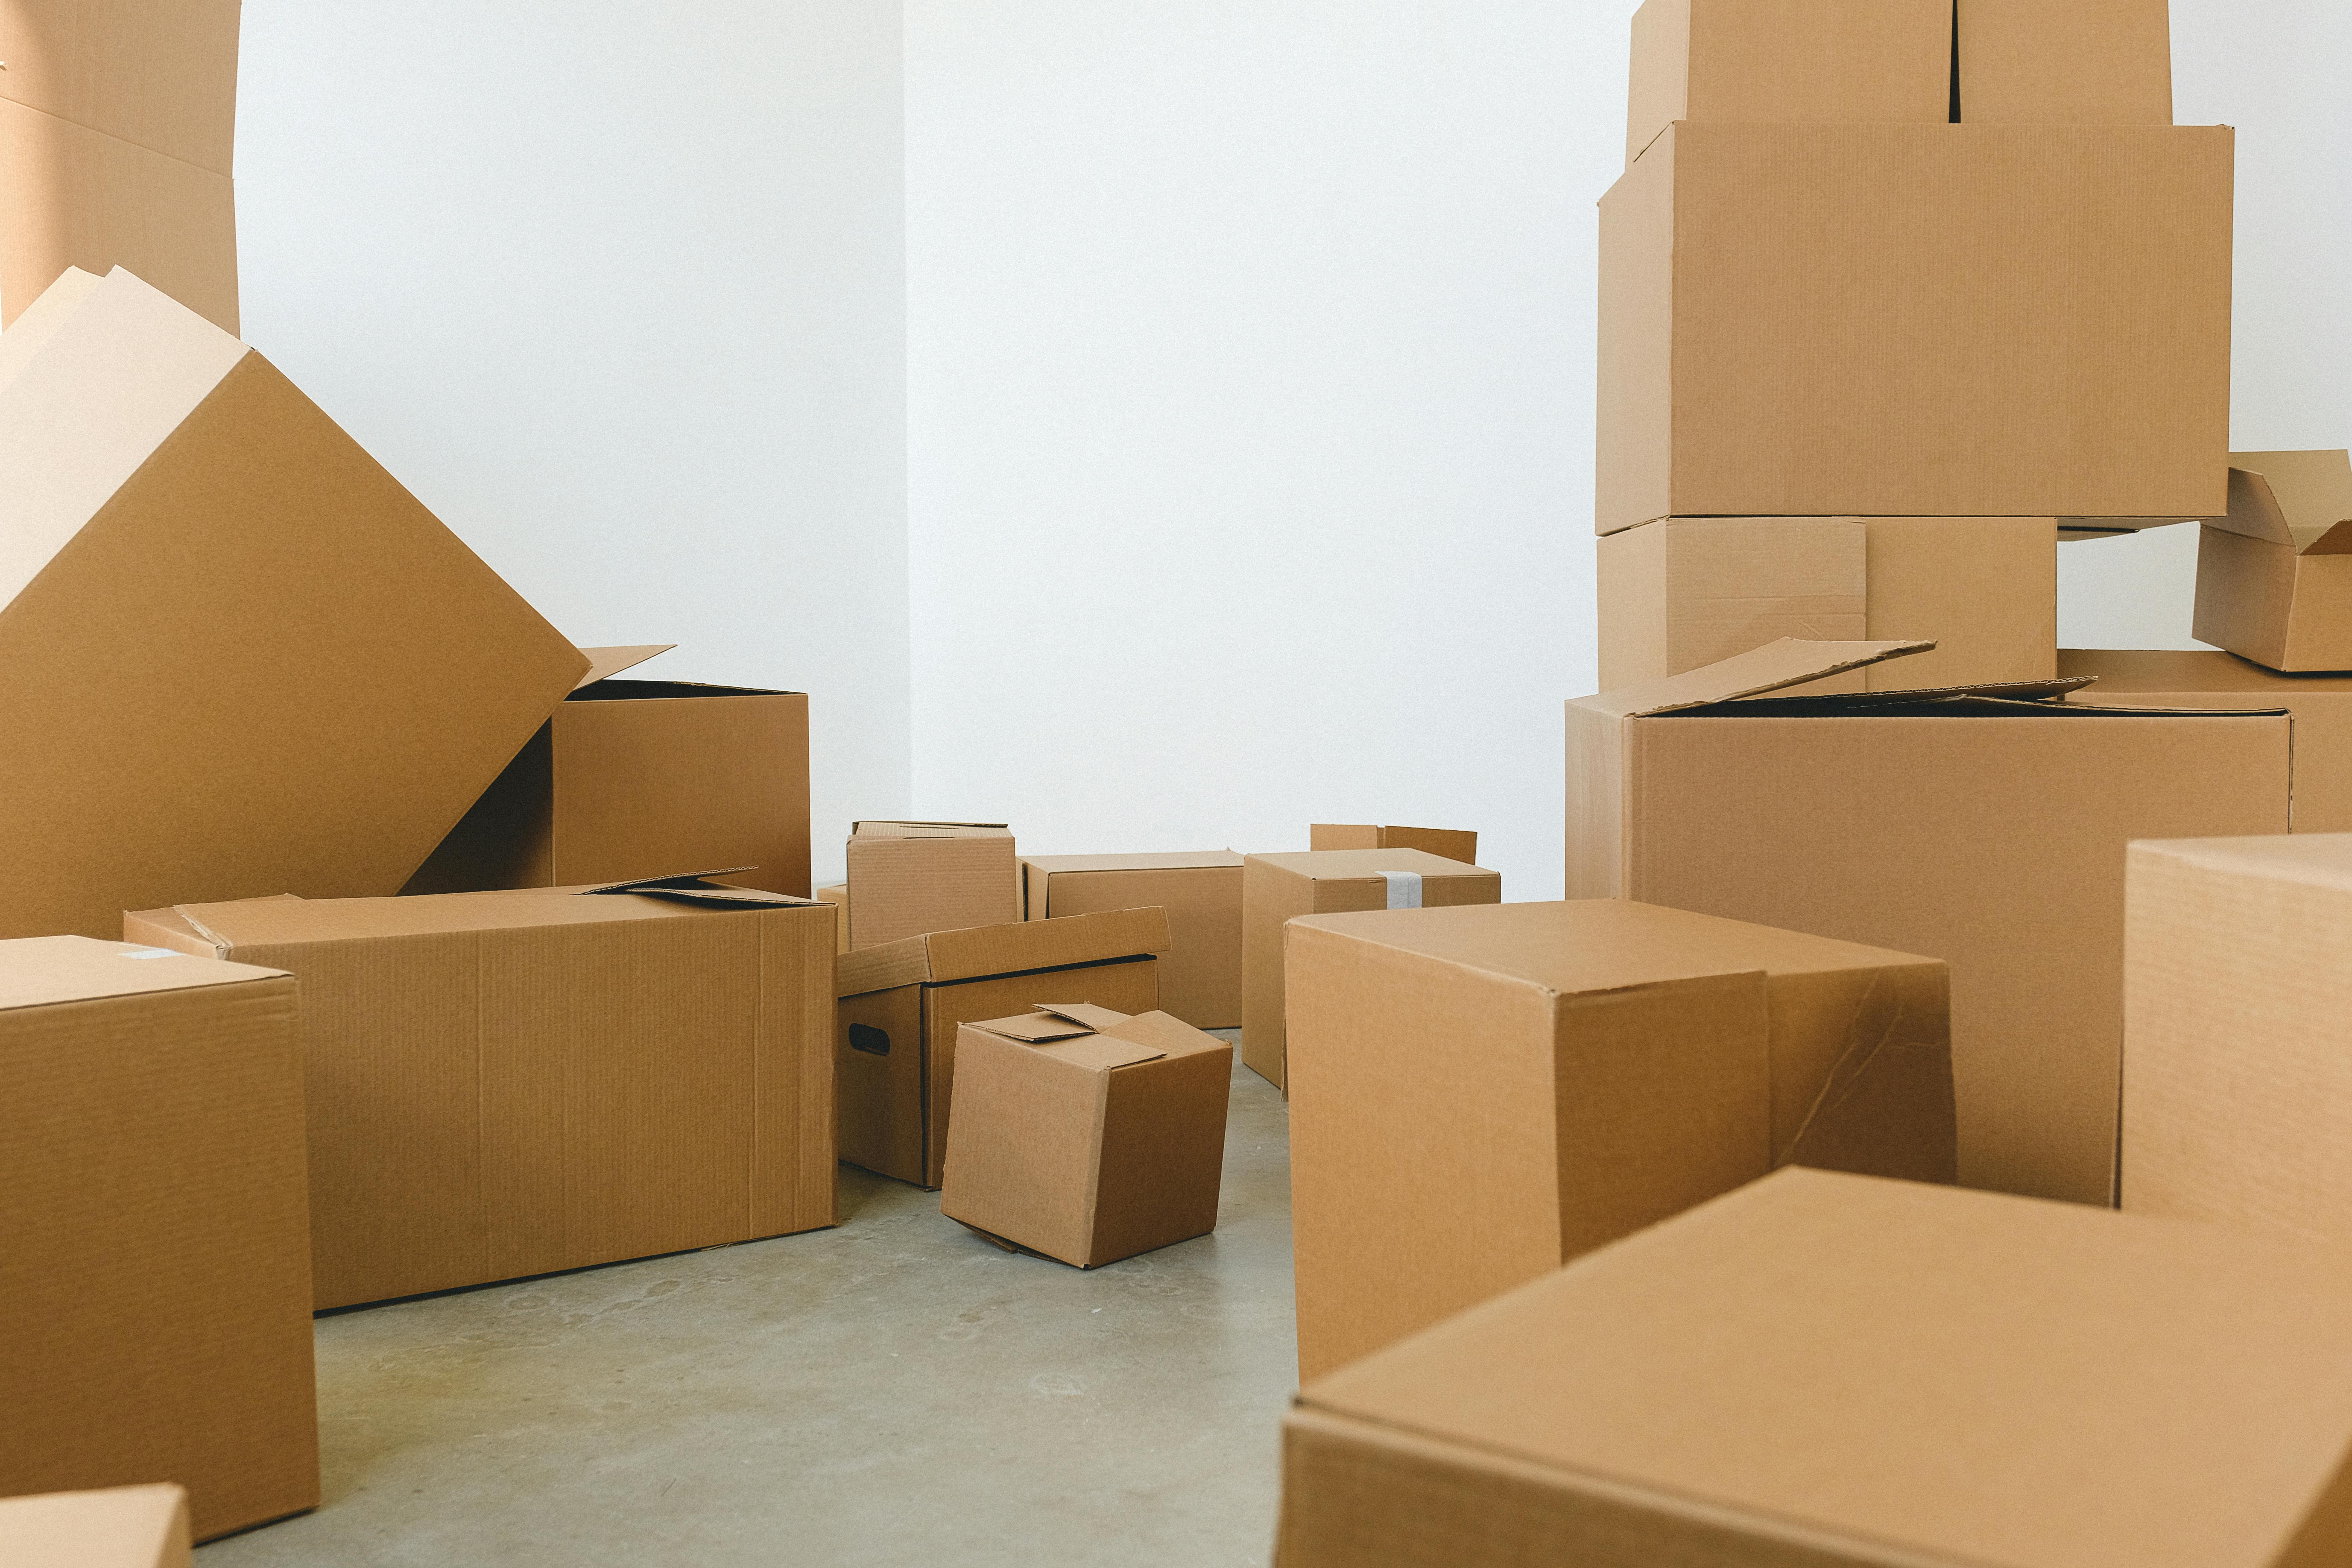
(1085, 1014)
(2300, 499)
(1014, 948)
(1034, 1028)
(39, 320)
(1171, 1037)
(42, 970)
(609, 661)
(691, 888)
(1787, 662)
(863, 829)
(1101, 1053)
(1989, 702)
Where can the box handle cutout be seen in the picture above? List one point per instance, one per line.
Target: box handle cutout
(865, 1038)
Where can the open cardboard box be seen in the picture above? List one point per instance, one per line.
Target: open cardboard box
(2275, 574)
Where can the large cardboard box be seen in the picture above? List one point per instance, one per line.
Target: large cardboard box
(2320, 706)
(838, 894)
(1828, 1370)
(1200, 972)
(2029, 62)
(1276, 888)
(913, 877)
(902, 1005)
(1685, 591)
(239, 659)
(2274, 575)
(1764, 351)
(155, 1234)
(1478, 1095)
(636, 778)
(1446, 843)
(1851, 60)
(1988, 831)
(120, 1527)
(513, 1083)
(1086, 1134)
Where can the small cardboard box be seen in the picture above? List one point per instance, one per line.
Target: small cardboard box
(838, 894)
(1764, 352)
(1982, 826)
(2274, 575)
(914, 877)
(1570, 1073)
(902, 1005)
(1682, 593)
(2086, 62)
(1446, 843)
(1788, 60)
(513, 1083)
(1828, 1370)
(121, 1527)
(240, 661)
(1086, 1134)
(636, 778)
(1201, 972)
(155, 1238)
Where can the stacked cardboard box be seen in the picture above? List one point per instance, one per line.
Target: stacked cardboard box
(1200, 972)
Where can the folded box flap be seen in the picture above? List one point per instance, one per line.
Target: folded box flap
(2296, 498)
(1035, 1028)
(1065, 942)
(694, 887)
(1791, 661)
(1086, 1015)
(1166, 1034)
(603, 662)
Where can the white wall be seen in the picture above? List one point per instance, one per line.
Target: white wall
(617, 288)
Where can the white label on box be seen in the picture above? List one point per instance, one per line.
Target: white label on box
(1404, 889)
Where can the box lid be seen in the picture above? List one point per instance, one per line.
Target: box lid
(610, 661)
(1176, 860)
(118, 1527)
(2301, 499)
(1064, 1039)
(929, 830)
(39, 971)
(258, 923)
(976, 951)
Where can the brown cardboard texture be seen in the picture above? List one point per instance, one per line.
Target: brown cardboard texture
(2274, 575)
(1982, 826)
(120, 1527)
(160, 74)
(1276, 888)
(1788, 60)
(838, 894)
(241, 661)
(1568, 1073)
(1831, 1370)
(912, 878)
(1764, 352)
(513, 1083)
(1087, 1135)
(902, 1005)
(1446, 843)
(2086, 62)
(1200, 972)
(636, 778)
(155, 1243)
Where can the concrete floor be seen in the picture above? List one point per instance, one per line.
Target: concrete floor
(894, 1391)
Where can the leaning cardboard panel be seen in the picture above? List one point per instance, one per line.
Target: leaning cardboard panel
(1446, 843)
(1984, 827)
(159, 73)
(901, 1005)
(913, 877)
(1085, 1134)
(1827, 1370)
(636, 778)
(154, 1239)
(511, 1083)
(1477, 1095)
(2274, 575)
(2086, 62)
(120, 1527)
(1201, 972)
(239, 660)
(1763, 352)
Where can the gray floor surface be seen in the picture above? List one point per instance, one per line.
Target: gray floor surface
(893, 1391)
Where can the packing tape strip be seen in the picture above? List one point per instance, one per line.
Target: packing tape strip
(1404, 889)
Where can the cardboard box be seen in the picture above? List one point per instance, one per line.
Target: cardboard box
(838, 894)
(1446, 843)
(159, 73)
(1682, 593)
(514, 1083)
(914, 877)
(121, 1527)
(2274, 575)
(154, 1242)
(1200, 972)
(1788, 60)
(1763, 350)
(1988, 831)
(1832, 1370)
(1086, 1134)
(240, 659)
(902, 1005)
(636, 778)
(2095, 62)
(2320, 706)
(1478, 1095)
(1276, 888)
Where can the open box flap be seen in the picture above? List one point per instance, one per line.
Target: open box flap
(2301, 499)
(1791, 661)
(1086, 1015)
(604, 662)
(693, 887)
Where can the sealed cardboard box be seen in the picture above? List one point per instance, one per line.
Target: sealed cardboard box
(121, 1527)
(913, 877)
(2095, 62)
(1200, 972)
(1479, 1094)
(1277, 887)
(1826, 1368)
(1984, 829)
(1446, 843)
(1850, 60)
(240, 659)
(1685, 591)
(2274, 575)
(636, 778)
(838, 894)
(155, 1243)
(901, 1005)
(1763, 352)
(512, 1083)
(1086, 1134)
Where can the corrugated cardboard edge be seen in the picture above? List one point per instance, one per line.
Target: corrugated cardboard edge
(1787, 662)
(604, 662)
(1010, 949)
